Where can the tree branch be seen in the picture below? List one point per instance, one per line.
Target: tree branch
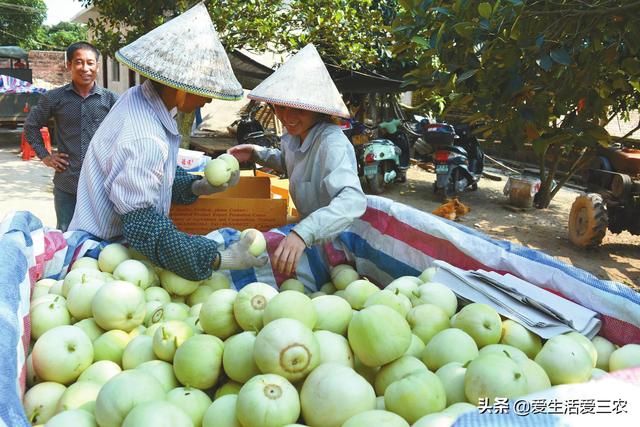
(609, 119)
(577, 164)
(554, 166)
(543, 171)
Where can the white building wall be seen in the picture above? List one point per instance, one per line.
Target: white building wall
(118, 76)
(619, 127)
(406, 98)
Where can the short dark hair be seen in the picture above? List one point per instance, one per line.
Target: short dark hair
(71, 50)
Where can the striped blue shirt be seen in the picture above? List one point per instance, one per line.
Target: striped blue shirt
(130, 164)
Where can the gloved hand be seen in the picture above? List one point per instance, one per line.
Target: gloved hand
(202, 187)
(233, 180)
(237, 256)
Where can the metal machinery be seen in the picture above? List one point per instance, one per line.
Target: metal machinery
(612, 199)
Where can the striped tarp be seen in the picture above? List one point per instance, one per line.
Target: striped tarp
(9, 84)
(389, 241)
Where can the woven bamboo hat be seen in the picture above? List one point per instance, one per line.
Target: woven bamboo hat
(302, 82)
(184, 53)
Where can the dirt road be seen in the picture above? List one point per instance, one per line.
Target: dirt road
(618, 258)
(25, 185)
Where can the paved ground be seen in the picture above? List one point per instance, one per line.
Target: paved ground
(24, 185)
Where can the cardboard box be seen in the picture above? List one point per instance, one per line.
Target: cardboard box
(249, 204)
(280, 189)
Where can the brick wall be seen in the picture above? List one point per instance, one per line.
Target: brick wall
(49, 66)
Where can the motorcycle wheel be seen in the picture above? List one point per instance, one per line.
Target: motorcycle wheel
(376, 183)
(402, 176)
(450, 190)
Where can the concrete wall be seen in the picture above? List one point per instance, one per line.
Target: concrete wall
(117, 77)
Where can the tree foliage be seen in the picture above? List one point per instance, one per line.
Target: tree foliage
(351, 33)
(551, 73)
(122, 21)
(57, 37)
(20, 20)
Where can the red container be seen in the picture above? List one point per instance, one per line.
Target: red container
(27, 150)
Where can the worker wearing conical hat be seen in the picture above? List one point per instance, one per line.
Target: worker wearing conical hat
(130, 176)
(316, 155)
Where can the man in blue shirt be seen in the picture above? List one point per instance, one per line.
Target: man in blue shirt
(77, 108)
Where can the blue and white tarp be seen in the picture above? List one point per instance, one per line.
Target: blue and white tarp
(390, 240)
(9, 84)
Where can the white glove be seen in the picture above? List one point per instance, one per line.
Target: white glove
(237, 256)
(202, 187)
(234, 179)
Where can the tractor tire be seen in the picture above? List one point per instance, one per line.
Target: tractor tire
(588, 221)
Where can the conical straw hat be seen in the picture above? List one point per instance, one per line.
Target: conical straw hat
(184, 53)
(302, 82)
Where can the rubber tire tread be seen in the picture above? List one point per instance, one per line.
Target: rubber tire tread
(597, 221)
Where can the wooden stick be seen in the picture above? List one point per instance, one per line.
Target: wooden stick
(501, 164)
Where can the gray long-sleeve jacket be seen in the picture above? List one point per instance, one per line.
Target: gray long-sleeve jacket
(323, 180)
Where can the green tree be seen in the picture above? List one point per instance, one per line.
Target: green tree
(551, 73)
(122, 21)
(346, 32)
(350, 33)
(57, 37)
(20, 20)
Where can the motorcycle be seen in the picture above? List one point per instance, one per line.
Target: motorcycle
(250, 130)
(455, 152)
(415, 128)
(457, 156)
(393, 131)
(378, 159)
